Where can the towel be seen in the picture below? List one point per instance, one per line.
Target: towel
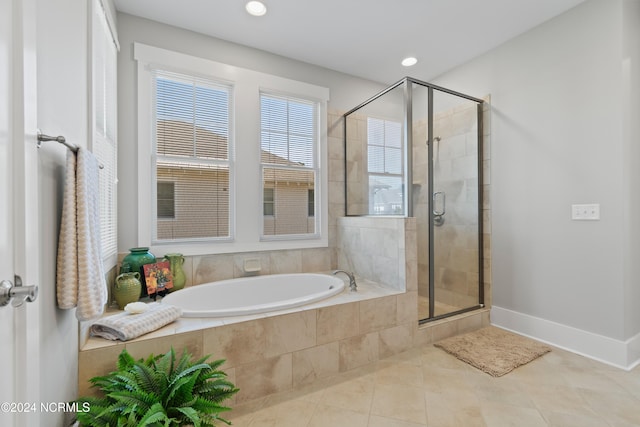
(125, 326)
(80, 277)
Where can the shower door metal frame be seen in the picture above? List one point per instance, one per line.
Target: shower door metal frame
(430, 188)
(408, 179)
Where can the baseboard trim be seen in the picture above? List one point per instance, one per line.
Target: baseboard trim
(621, 354)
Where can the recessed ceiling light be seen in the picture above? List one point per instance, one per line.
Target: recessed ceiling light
(256, 8)
(408, 62)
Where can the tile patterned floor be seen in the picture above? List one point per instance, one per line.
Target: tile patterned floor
(427, 387)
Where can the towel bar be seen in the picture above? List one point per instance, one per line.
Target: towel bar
(61, 140)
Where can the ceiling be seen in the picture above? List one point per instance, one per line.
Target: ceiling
(365, 38)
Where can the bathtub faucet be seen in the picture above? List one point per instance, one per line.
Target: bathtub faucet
(352, 280)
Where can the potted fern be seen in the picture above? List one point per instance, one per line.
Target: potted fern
(158, 391)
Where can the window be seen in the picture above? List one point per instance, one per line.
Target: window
(242, 150)
(311, 203)
(192, 144)
(267, 202)
(385, 166)
(166, 200)
(288, 142)
(104, 46)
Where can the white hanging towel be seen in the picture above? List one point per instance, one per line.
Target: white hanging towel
(80, 280)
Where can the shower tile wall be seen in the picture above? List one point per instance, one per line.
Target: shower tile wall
(357, 177)
(381, 249)
(455, 173)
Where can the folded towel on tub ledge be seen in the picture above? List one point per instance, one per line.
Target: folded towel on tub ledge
(126, 326)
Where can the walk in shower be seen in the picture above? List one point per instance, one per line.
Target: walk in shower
(415, 150)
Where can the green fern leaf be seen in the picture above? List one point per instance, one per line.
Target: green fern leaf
(155, 414)
(125, 361)
(146, 379)
(191, 415)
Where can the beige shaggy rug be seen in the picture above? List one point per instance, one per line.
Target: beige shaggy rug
(493, 350)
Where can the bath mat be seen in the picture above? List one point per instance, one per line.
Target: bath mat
(493, 350)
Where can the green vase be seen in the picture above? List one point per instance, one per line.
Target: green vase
(179, 279)
(136, 259)
(127, 288)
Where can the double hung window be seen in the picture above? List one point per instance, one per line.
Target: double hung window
(385, 166)
(191, 154)
(288, 154)
(230, 159)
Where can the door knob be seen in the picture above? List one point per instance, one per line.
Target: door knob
(16, 294)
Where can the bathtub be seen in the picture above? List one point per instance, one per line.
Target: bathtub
(251, 295)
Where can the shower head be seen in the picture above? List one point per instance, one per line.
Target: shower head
(436, 139)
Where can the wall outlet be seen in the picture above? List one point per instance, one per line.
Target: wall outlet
(590, 212)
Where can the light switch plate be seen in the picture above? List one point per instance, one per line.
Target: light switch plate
(586, 212)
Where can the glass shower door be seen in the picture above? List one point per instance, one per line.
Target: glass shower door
(454, 154)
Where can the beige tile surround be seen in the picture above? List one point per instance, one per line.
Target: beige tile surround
(285, 350)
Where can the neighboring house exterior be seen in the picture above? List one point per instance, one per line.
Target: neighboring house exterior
(193, 197)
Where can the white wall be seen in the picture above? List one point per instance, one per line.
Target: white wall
(631, 165)
(560, 95)
(345, 91)
(62, 57)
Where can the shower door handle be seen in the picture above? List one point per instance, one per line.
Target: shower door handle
(436, 212)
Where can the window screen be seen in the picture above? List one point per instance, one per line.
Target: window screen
(192, 145)
(289, 145)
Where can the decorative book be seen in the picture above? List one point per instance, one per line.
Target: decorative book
(158, 278)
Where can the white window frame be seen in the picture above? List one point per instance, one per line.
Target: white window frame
(246, 219)
(155, 157)
(385, 174)
(315, 169)
(101, 27)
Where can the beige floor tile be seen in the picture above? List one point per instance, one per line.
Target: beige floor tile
(619, 409)
(294, 413)
(325, 416)
(501, 390)
(591, 380)
(355, 395)
(555, 398)
(453, 409)
(500, 415)
(561, 419)
(400, 401)
(376, 421)
(399, 373)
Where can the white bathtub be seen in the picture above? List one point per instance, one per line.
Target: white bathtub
(250, 295)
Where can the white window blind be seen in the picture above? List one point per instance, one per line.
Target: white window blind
(192, 151)
(289, 150)
(104, 117)
(385, 166)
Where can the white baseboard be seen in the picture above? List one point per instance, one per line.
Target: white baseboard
(621, 354)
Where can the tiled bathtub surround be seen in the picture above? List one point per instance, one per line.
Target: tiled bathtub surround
(280, 351)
